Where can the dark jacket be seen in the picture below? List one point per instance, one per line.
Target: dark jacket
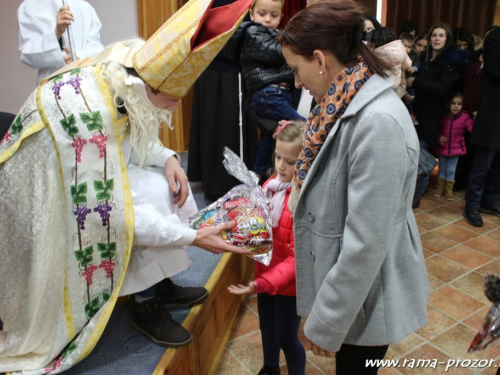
(259, 53)
(486, 130)
(433, 83)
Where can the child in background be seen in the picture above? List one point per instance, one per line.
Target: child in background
(409, 96)
(451, 144)
(275, 284)
(392, 51)
(268, 78)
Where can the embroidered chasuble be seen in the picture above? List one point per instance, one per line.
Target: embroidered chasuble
(66, 242)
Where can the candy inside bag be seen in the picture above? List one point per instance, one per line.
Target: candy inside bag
(248, 206)
(489, 333)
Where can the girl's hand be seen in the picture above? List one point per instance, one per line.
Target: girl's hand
(243, 289)
(442, 140)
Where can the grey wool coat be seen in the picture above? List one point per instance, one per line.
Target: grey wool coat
(361, 276)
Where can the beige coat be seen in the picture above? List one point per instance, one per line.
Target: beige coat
(394, 54)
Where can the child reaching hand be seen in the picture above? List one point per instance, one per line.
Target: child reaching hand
(275, 284)
(451, 144)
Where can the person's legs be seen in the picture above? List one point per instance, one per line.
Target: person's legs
(270, 346)
(275, 104)
(351, 359)
(287, 324)
(264, 155)
(492, 185)
(424, 145)
(173, 296)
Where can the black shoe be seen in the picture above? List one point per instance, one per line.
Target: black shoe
(153, 320)
(494, 210)
(416, 204)
(173, 296)
(269, 370)
(473, 217)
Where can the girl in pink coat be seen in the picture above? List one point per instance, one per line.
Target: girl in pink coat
(275, 284)
(451, 144)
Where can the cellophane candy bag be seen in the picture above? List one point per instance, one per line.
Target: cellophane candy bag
(248, 206)
(489, 333)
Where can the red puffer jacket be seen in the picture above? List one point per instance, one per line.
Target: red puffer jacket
(279, 276)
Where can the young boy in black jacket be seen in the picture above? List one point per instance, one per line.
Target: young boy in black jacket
(268, 78)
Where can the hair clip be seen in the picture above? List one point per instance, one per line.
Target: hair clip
(283, 124)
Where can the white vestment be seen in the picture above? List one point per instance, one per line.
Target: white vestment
(160, 238)
(38, 43)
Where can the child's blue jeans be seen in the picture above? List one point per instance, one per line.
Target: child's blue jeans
(274, 103)
(447, 167)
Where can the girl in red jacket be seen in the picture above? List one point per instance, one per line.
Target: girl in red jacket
(451, 144)
(275, 284)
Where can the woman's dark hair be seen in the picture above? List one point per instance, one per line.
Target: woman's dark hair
(461, 33)
(373, 20)
(335, 27)
(449, 38)
(383, 36)
(407, 27)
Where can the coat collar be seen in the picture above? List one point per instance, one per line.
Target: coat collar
(372, 88)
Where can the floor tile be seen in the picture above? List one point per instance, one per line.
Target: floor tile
(456, 341)
(229, 365)
(494, 234)
(447, 300)
(435, 242)
(426, 204)
(445, 213)
(247, 322)
(434, 283)
(466, 256)
(457, 205)
(455, 233)
(444, 269)
(472, 284)
(437, 322)
(427, 253)
(485, 245)
(492, 267)
(476, 320)
(404, 346)
(426, 221)
(487, 226)
(491, 218)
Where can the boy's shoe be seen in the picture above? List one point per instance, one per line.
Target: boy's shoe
(173, 296)
(494, 210)
(269, 370)
(154, 321)
(473, 217)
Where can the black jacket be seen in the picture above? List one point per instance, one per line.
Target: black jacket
(255, 47)
(486, 131)
(433, 84)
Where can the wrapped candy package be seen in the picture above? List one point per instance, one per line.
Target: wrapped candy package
(248, 206)
(489, 333)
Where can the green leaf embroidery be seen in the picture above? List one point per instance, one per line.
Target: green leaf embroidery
(16, 126)
(92, 307)
(103, 188)
(69, 125)
(70, 349)
(75, 71)
(85, 256)
(106, 297)
(57, 78)
(93, 120)
(78, 193)
(107, 249)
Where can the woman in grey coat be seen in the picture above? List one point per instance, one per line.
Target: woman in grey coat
(361, 277)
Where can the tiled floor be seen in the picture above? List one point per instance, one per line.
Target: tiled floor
(457, 257)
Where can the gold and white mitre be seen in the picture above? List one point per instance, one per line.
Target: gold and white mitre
(180, 50)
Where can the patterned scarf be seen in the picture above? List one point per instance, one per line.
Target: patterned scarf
(275, 191)
(322, 119)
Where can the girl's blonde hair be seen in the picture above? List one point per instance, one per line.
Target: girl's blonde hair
(293, 133)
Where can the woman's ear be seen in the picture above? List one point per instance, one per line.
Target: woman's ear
(320, 60)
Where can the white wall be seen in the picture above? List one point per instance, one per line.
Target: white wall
(17, 80)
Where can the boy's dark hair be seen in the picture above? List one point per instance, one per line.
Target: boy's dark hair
(407, 27)
(383, 35)
(407, 37)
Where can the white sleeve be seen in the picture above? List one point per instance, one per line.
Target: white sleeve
(92, 44)
(38, 43)
(154, 229)
(158, 157)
